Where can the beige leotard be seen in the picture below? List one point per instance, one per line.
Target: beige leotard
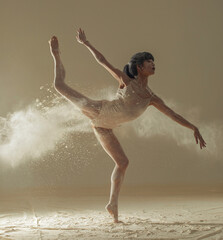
(130, 103)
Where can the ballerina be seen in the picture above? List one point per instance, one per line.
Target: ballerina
(132, 99)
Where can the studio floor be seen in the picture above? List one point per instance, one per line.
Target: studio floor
(148, 216)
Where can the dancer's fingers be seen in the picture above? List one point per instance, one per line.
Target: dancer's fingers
(196, 138)
(202, 143)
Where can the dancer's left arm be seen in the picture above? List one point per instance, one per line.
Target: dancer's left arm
(162, 107)
(122, 78)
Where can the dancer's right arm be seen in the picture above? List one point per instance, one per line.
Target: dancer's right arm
(122, 78)
(162, 107)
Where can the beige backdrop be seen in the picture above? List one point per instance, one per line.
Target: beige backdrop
(186, 39)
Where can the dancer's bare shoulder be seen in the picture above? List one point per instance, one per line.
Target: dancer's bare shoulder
(125, 80)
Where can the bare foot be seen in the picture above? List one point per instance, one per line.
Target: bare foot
(113, 211)
(54, 46)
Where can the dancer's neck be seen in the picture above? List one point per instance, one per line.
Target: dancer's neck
(143, 81)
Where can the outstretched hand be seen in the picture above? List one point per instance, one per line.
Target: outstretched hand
(199, 138)
(81, 38)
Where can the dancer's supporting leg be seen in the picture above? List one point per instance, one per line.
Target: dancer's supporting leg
(89, 107)
(113, 148)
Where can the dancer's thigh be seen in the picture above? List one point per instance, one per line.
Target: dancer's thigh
(111, 145)
(91, 108)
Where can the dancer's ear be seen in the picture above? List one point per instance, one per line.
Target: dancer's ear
(139, 68)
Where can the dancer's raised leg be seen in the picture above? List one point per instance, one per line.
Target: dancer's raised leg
(113, 148)
(89, 107)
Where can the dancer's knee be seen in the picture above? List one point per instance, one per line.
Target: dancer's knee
(123, 164)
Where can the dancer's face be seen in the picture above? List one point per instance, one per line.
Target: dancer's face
(148, 68)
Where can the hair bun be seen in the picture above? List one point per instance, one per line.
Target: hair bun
(126, 70)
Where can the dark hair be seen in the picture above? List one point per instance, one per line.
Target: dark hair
(138, 59)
